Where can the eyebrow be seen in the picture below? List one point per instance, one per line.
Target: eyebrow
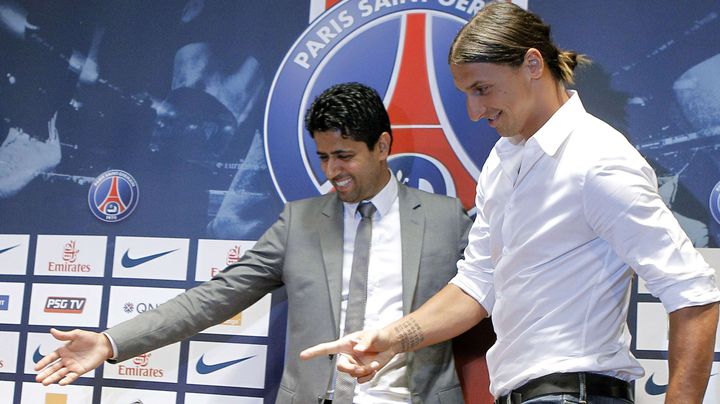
(341, 151)
(477, 83)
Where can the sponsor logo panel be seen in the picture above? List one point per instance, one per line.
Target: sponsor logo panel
(150, 258)
(71, 305)
(196, 398)
(11, 302)
(115, 395)
(8, 352)
(72, 255)
(36, 393)
(160, 365)
(221, 364)
(652, 327)
(651, 388)
(39, 345)
(214, 255)
(254, 320)
(127, 301)
(712, 256)
(14, 253)
(7, 391)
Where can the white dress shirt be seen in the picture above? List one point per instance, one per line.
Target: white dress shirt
(384, 290)
(560, 220)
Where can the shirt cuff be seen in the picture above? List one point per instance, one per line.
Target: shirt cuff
(691, 292)
(112, 344)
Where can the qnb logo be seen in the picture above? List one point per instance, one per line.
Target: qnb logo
(141, 367)
(69, 262)
(141, 307)
(65, 305)
(204, 368)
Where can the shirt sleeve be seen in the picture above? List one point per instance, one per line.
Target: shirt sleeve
(475, 270)
(623, 207)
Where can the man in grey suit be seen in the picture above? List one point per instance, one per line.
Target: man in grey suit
(417, 238)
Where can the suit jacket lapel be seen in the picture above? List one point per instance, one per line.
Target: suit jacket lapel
(331, 243)
(412, 227)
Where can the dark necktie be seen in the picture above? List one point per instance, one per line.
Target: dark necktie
(355, 311)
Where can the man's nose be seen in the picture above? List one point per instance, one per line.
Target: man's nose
(476, 109)
(332, 167)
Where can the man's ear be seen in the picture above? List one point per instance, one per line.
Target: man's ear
(383, 144)
(535, 63)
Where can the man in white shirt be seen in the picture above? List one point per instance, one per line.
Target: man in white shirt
(565, 208)
(410, 254)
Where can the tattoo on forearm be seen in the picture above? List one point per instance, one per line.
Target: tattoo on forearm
(410, 334)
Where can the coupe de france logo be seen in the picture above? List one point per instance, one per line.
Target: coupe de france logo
(113, 195)
(401, 51)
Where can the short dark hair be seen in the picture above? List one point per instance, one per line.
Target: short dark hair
(354, 109)
(502, 33)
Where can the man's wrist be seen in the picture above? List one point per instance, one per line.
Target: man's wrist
(406, 335)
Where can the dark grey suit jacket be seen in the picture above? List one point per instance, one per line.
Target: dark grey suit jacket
(303, 251)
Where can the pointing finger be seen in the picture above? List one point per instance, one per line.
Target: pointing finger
(325, 348)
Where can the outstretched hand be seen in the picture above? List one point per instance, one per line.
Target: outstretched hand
(83, 352)
(361, 354)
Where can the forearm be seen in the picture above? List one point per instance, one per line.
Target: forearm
(447, 314)
(691, 352)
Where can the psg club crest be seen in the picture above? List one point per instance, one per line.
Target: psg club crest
(715, 202)
(400, 49)
(113, 196)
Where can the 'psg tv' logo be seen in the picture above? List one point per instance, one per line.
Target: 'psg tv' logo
(113, 196)
(400, 49)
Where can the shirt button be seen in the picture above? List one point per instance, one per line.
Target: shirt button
(505, 251)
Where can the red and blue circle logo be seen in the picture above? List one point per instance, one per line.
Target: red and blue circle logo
(401, 51)
(113, 196)
(715, 202)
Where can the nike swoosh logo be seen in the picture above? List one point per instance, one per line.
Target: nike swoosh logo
(37, 355)
(204, 368)
(8, 249)
(653, 388)
(128, 262)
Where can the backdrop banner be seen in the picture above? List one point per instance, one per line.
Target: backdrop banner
(144, 146)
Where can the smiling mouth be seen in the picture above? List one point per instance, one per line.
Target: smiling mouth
(493, 118)
(342, 183)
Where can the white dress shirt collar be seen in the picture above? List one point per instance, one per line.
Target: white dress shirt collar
(383, 200)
